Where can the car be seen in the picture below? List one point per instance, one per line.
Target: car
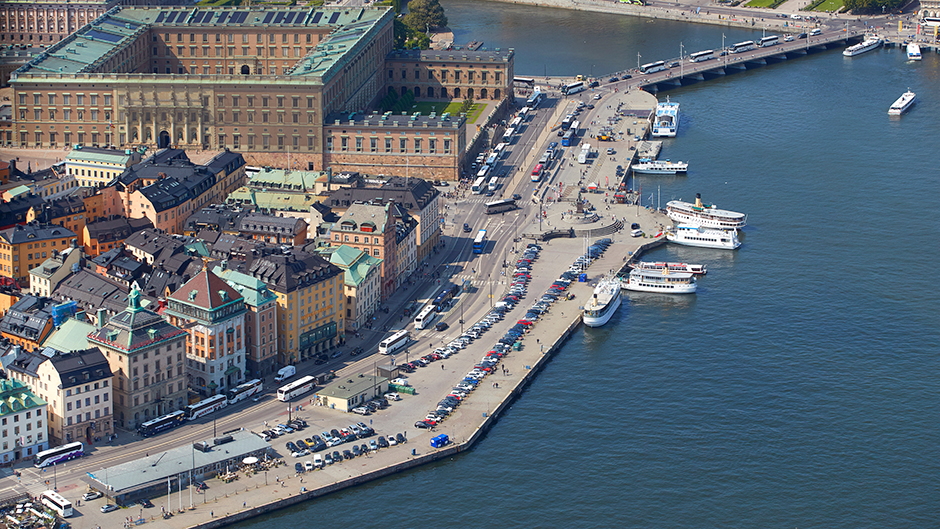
(382, 441)
(610, 150)
(441, 326)
(597, 96)
(337, 458)
(613, 79)
(489, 193)
(401, 438)
(356, 451)
(674, 64)
(108, 507)
(722, 54)
(337, 354)
(594, 84)
(200, 485)
(318, 461)
(392, 441)
(328, 459)
(356, 352)
(466, 228)
(516, 196)
(308, 465)
(92, 495)
(627, 76)
(366, 431)
(801, 36)
(787, 38)
(292, 447)
(145, 503)
(796, 17)
(347, 454)
(298, 467)
(361, 410)
(373, 446)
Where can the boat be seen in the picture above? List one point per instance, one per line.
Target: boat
(903, 103)
(646, 166)
(672, 267)
(871, 42)
(666, 122)
(709, 216)
(662, 282)
(691, 235)
(603, 304)
(913, 51)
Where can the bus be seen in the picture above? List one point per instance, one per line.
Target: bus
(575, 125)
(524, 81)
(515, 123)
(59, 454)
(931, 21)
(507, 136)
(205, 407)
(295, 388)
(700, 56)
(161, 424)
(566, 123)
(500, 206)
(545, 159)
(394, 342)
(494, 184)
(447, 294)
(573, 88)
(478, 185)
(534, 100)
(524, 113)
(653, 67)
(743, 46)
(479, 243)
(57, 503)
(243, 391)
(568, 139)
(768, 41)
(537, 172)
(500, 150)
(425, 317)
(491, 159)
(484, 171)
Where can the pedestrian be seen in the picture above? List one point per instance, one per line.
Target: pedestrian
(212, 514)
(442, 367)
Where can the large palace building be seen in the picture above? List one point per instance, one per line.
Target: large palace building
(283, 86)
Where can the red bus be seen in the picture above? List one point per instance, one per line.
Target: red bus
(537, 173)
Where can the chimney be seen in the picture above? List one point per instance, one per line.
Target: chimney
(101, 315)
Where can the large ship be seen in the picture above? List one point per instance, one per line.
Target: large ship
(688, 235)
(666, 122)
(663, 282)
(903, 103)
(913, 51)
(603, 304)
(672, 267)
(646, 166)
(871, 42)
(704, 215)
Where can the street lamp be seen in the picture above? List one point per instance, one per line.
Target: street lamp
(681, 62)
(638, 57)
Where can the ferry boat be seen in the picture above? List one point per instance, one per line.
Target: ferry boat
(689, 235)
(913, 51)
(646, 166)
(704, 215)
(666, 122)
(663, 282)
(902, 104)
(672, 267)
(870, 43)
(603, 304)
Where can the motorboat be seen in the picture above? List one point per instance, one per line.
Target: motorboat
(903, 103)
(672, 267)
(871, 42)
(646, 166)
(662, 282)
(691, 235)
(705, 215)
(913, 51)
(666, 120)
(603, 304)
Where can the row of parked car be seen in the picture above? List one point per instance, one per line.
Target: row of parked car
(373, 445)
(593, 252)
(283, 429)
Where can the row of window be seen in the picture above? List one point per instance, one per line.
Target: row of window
(245, 52)
(433, 75)
(67, 114)
(39, 138)
(78, 402)
(417, 143)
(67, 99)
(230, 37)
(266, 117)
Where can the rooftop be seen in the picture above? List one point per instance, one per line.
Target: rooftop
(390, 120)
(348, 387)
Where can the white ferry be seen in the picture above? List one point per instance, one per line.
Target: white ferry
(870, 43)
(913, 52)
(663, 282)
(666, 122)
(688, 235)
(603, 304)
(903, 103)
(704, 215)
(672, 267)
(659, 167)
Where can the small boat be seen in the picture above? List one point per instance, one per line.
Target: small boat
(870, 43)
(663, 282)
(603, 304)
(666, 122)
(645, 166)
(709, 216)
(672, 267)
(903, 103)
(689, 235)
(913, 51)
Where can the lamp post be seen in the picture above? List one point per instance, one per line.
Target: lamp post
(681, 62)
(638, 58)
(723, 46)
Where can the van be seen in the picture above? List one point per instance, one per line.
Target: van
(284, 373)
(815, 32)
(636, 233)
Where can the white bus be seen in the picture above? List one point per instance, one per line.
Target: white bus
(524, 113)
(653, 67)
(478, 185)
(500, 150)
(575, 125)
(425, 317)
(494, 184)
(491, 159)
(743, 46)
(484, 171)
(205, 407)
(394, 342)
(700, 56)
(507, 136)
(514, 124)
(57, 503)
(768, 41)
(573, 88)
(243, 391)
(59, 454)
(295, 388)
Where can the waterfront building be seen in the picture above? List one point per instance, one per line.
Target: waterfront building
(362, 281)
(24, 247)
(345, 393)
(260, 319)
(22, 422)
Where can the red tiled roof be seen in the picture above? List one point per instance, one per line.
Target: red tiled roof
(208, 289)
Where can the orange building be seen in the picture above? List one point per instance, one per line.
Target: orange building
(23, 248)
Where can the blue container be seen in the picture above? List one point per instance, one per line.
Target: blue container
(582, 278)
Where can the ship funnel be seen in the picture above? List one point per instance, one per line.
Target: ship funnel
(698, 200)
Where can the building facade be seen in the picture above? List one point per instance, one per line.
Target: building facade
(362, 278)
(371, 228)
(94, 166)
(260, 321)
(77, 387)
(23, 426)
(25, 247)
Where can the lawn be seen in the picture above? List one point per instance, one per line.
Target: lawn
(829, 5)
(426, 107)
(761, 3)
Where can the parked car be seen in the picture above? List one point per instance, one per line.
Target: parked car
(382, 441)
(108, 507)
(91, 495)
(298, 467)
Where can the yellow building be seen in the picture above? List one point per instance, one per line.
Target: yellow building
(25, 247)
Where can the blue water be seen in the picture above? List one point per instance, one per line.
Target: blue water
(798, 388)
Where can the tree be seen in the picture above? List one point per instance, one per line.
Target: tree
(872, 6)
(407, 38)
(425, 14)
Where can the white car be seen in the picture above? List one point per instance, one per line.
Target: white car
(318, 461)
(392, 396)
(392, 441)
(597, 96)
(400, 382)
(308, 465)
(787, 38)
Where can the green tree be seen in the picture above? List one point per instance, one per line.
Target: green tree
(396, 6)
(407, 38)
(467, 105)
(872, 6)
(425, 14)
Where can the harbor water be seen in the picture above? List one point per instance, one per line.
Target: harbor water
(799, 386)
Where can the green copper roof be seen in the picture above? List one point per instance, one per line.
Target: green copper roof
(70, 336)
(254, 291)
(355, 263)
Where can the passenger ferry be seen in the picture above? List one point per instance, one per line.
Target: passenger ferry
(903, 103)
(672, 267)
(663, 282)
(688, 235)
(913, 52)
(603, 304)
(666, 122)
(870, 43)
(704, 215)
(646, 166)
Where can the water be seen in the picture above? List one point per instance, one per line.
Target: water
(798, 388)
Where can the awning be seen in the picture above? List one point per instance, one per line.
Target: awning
(250, 460)
(231, 370)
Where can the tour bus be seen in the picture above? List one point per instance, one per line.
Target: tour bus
(205, 407)
(931, 21)
(566, 123)
(524, 113)
(653, 67)
(507, 136)
(500, 206)
(59, 454)
(479, 243)
(57, 503)
(575, 125)
(524, 81)
(743, 46)
(568, 139)
(700, 56)
(537, 173)
(484, 171)
(491, 159)
(494, 184)
(545, 159)
(445, 295)
(161, 424)
(478, 185)
(394, 342)
(295, 388)
(534, 100)
(768, 41)
(500, 150)
(243, 391)
(516, 122)
(425, 317)
(573, 88)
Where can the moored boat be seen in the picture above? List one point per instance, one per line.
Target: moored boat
(704, 215)
(663, 282)
(666, 121)
(913, 52)
(659, 167)
(689, 235)
(871, 42)
(903, 103)
(603, 304)
(672, 267)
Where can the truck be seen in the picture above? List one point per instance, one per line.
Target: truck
(284, 373)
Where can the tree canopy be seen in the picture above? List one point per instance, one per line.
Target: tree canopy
(873, 6)
(425, 14)
(407, 38)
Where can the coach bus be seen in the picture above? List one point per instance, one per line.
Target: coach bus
(653, 67)
(507, 136)
(743, 46)
(479, 243)
(160, 424)
(295, 388)
(243, 391)
(700, 56)
(568, 139)
(537, 172)
(394, 342)
(205, 407)
(425, 317)
(57, 503)
(59, 454)
(768, 41)
(534, 100)
(524, 81)
(500, 206)
(573, 88)
(479, 185)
